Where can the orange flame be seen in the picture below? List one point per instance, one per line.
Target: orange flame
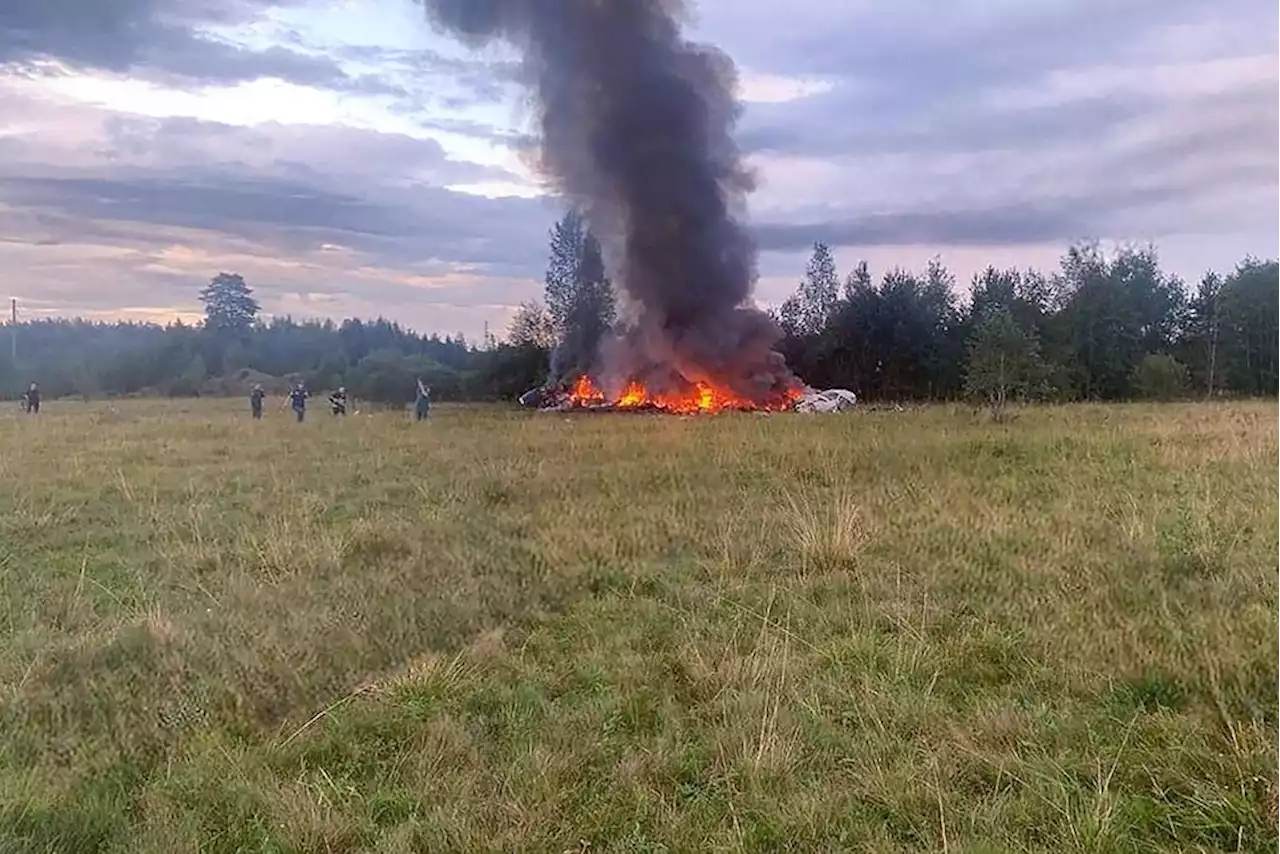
(701, 397)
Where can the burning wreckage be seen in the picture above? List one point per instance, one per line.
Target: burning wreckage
(635, 129)
(701, 398)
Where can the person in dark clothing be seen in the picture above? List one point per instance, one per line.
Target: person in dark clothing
(338, 402)
(31, 399)
(255, 401)
(422, 402)
(298, 400)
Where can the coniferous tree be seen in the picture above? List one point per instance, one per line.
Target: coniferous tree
(562, 275)
(229, 305)
(579, 296)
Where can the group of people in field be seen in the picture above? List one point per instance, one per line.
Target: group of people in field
(297, 400)
(298, 395)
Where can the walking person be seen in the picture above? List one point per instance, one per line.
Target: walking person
(298, 400)
(255, 401)
(422, 401)
(338, 401)
(31, 399)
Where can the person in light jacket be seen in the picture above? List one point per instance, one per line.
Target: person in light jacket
(422, 402)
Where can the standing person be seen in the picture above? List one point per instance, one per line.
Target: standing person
(422, 401)
(255, 401)
(338, 401)
(31, 399)
(298, 400)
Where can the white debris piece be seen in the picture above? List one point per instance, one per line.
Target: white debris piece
(830, 400)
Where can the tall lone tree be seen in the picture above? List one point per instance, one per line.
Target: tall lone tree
(808, 310)
(229, 306)
(567, 236)
(579, 296)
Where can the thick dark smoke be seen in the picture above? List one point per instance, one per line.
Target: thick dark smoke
(636, 127)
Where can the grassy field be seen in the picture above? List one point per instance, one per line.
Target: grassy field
(501, 631)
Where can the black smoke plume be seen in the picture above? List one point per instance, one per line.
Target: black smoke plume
(636, 129)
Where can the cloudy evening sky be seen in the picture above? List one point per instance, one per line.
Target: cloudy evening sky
(349, 161)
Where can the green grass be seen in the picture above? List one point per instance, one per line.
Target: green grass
(502, 631)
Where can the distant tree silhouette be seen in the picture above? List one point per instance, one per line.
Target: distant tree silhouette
(229, 305)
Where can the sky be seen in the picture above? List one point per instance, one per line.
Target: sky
(349, 161)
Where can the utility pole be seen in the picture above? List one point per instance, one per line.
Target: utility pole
(13, 331)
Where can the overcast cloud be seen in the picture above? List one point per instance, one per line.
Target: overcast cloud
(348, 161)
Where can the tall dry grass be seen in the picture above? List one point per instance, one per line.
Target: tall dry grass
(503, 632)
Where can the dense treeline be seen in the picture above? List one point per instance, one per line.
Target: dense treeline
(1098, 328)
(376, 360)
